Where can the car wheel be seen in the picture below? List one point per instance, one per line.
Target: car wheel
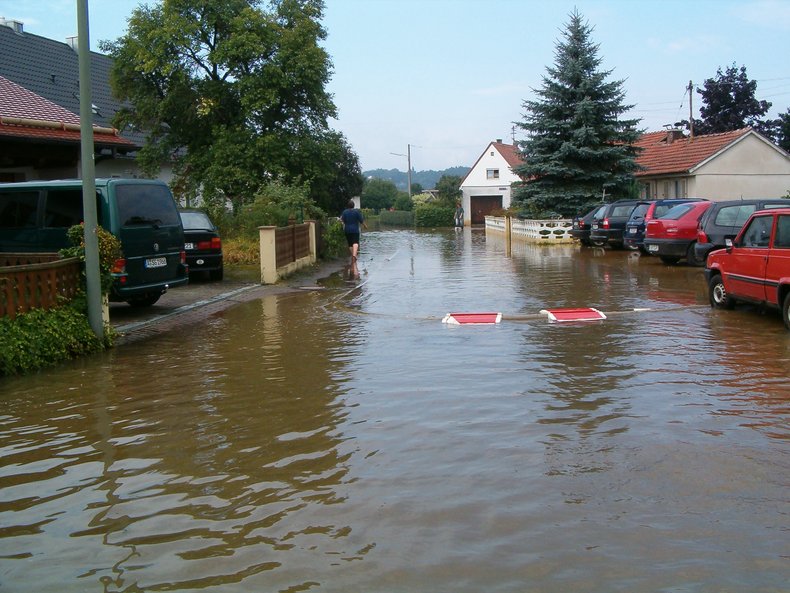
(691, 256)
(786, 311)
(719, 299)
(216, 274)
(144, 301)
(669, 259)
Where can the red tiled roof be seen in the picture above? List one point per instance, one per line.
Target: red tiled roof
(509, 153)
(17, 101)
(660, 157)
(24, 114)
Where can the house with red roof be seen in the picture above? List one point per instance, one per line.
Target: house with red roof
(41, 140)
(486, 187)
(40, 107)
(726, 166)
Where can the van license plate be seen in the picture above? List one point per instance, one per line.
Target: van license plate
(156, 262)
(189, 246)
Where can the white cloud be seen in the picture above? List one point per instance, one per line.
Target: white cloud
(774, 14)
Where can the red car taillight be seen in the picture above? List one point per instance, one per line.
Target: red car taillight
(215, 243)
(702, 237)
(119, 269)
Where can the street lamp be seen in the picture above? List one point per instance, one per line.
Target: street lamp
(408, 165)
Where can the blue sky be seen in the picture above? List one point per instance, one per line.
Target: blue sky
(445, 77)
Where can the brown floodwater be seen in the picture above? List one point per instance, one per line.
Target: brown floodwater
(345, 439)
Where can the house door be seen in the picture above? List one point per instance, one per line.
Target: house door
(482, 206)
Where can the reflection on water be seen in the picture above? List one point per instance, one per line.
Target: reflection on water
(346, 440)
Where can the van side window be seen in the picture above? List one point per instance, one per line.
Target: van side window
(146, 204)
(782, 239)
(18, 209)
(63, 208)
(758, 233)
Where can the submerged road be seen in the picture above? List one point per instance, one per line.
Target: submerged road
(202, 298)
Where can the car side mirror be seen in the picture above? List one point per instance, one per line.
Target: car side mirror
(728, 244)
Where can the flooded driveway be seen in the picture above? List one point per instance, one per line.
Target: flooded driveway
(344, 439)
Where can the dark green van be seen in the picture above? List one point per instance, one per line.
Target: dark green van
(35, 215)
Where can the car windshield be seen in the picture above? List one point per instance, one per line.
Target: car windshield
(196, 221)
(677, 212)
(639, 212)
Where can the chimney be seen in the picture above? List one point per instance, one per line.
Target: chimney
(499, 140)
(74, 43)
(17, 26)
(673, 135)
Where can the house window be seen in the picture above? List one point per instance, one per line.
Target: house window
(492, 173)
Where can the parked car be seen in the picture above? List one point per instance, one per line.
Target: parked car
(36, 215)
(755, 266)
(608, 227)
(724, 219)
(643, 213)
(672, 236)
(583, 224)
(202, 243)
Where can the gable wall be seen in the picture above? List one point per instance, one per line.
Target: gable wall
(749, 169)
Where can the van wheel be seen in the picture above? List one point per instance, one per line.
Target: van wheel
(216, 274)
(786, 311)
(145, 300)
(719, 299)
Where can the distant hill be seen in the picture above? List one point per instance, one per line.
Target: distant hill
(427, 179)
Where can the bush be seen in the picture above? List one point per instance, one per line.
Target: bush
(40, 338)
(430, 215)
(396, 218)
(334, 239)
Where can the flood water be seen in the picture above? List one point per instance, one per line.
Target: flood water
(347, 440)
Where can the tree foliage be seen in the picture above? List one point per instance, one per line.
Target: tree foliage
(234, 96)
(379, 194)
(448, 189)
(729, 103)
(577, 145)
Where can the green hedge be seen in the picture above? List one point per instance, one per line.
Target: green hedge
(40, 338)
(396, 218)
(432, 215)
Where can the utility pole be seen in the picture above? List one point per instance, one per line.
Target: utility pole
(691, 117)
(88, 172)
(408, 163)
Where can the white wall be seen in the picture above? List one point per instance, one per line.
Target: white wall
(476, 182)
(750, 168)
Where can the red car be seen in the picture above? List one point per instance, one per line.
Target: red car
(673, 235)
(755, 267)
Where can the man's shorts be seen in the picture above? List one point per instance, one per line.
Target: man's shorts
(352, 238)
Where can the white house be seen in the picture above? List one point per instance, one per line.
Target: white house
(487, 185)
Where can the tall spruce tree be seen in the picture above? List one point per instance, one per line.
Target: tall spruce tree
(578, 148)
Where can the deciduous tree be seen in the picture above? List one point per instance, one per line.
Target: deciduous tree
(233, 95)
(577, 145)
(729, 103)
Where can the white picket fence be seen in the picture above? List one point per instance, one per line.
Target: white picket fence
(532, 231)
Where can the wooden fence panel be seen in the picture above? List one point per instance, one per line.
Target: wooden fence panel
(36, 281)
(292, 243)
